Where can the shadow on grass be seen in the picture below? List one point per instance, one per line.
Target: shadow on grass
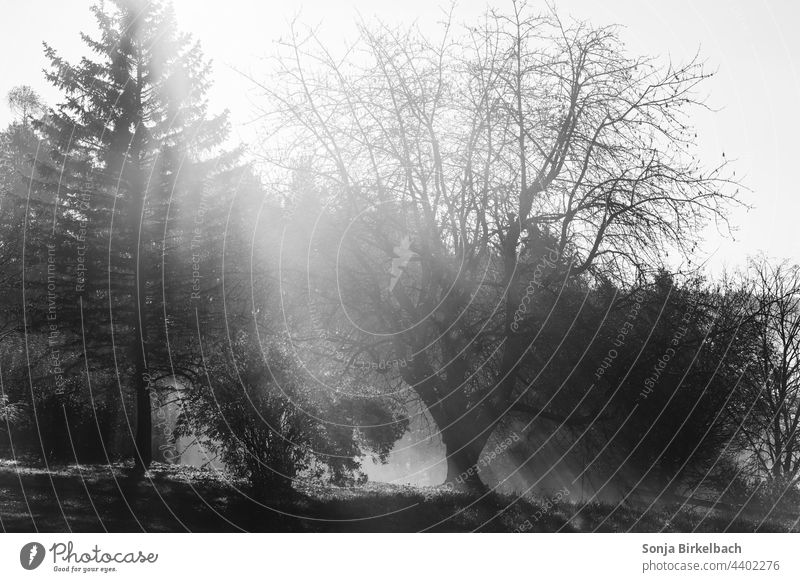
(175, 499)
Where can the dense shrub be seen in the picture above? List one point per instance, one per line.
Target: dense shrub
(270, 423)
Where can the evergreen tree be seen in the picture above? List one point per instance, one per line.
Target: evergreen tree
(135, 150)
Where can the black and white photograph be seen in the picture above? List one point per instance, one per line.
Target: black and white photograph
(348, 267)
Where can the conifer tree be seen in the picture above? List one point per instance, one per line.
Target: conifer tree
(134, 151)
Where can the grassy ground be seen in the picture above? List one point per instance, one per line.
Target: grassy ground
(174, 498)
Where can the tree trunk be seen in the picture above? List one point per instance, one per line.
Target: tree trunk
(464, 429)
(464, 440)
(144, 418)
(141, 381)
(463, 471)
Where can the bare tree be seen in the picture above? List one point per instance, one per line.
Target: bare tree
(24, 102)
(467, 173)
(770, 431)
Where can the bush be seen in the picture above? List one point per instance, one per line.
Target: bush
(62, 428)
(269, 427)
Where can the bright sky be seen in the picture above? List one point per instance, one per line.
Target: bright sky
(753, 44)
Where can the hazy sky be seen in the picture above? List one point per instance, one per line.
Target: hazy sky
(753, 44)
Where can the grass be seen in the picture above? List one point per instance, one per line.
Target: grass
(174, 498)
